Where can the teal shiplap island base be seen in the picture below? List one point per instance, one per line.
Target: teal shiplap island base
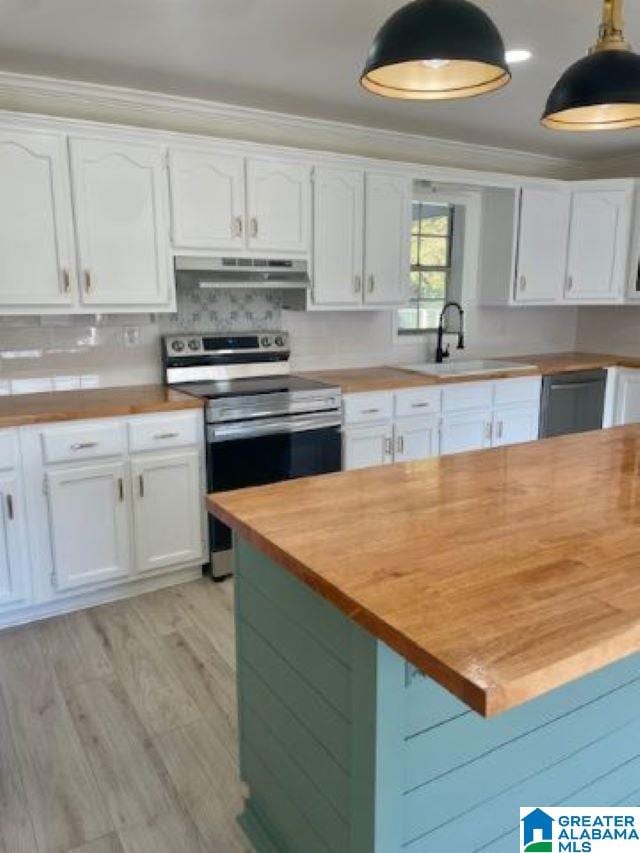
(424, 648)
(346, 748)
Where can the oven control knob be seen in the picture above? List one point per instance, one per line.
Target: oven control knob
(177, 346)
(266, 342)
(194, 344)
(279, 341)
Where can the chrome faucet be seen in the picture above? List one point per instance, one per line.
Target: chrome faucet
(441, 353)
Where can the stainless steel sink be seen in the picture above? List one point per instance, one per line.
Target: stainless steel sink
(466, 368)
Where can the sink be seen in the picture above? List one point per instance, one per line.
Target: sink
(466, 368)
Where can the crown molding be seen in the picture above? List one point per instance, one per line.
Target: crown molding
(140, 108)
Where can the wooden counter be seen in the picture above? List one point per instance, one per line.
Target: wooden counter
(23, 409)
(501, 574)
(356, 380)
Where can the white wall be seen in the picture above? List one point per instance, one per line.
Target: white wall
(614, 330)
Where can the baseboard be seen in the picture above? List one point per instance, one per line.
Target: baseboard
(254, 828)
(101, 596)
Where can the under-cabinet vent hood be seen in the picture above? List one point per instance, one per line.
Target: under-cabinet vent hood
(212, 272)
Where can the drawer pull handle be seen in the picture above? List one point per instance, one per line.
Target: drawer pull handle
(87, 281)
(372, 283)
(254, 226)
(388, 447)
(141, 485)
(164, 435)
(400, 444)
(420, 405)
(370, 411)
(237, 226)
(84, 445)
(120, 489)
(10, 513)
(66, 281)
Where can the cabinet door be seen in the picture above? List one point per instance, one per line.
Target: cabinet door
(365, 447)
(207, 200)
(278, 205)
(416, 438)
(513, 426)
(627, 407)
(167, 509)
(15, 583)
(387, 239)
(120, 197)
(36, 267)
(465, 431)
(338, 230)
(598, 244)
(89, 524)
(542, 245)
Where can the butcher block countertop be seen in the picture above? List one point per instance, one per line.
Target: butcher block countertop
(356, 380)
(23, 409)
(501, 574)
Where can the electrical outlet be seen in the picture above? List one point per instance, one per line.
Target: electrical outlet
(131, 336)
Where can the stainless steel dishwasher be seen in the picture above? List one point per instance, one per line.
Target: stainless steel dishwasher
(572, 402)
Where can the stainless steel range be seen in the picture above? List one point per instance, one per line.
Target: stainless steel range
(263, 424)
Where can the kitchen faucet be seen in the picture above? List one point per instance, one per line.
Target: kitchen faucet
(441, 353)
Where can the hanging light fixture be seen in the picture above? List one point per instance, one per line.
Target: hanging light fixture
(602, 90)
(436, 50)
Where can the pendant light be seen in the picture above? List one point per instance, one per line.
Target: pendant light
(436, 50)
(602, 90)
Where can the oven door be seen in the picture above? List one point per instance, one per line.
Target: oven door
(255, 453)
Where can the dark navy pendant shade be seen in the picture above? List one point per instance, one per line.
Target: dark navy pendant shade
(599, 92)
(436, 50)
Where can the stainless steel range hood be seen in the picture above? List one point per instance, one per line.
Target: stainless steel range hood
(219, 272)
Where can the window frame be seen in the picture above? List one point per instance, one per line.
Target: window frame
(422, 269)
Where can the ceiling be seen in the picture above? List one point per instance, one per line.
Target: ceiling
(304, 57)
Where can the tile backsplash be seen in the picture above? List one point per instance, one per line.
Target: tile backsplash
(203, 310)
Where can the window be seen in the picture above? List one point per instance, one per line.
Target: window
(431, 251)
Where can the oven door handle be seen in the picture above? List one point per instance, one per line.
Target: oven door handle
(270, 426)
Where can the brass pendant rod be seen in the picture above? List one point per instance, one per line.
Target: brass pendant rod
(611, 33)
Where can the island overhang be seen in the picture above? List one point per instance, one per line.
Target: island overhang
(502, 574)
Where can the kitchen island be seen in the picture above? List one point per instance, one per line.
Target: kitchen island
(423, 648)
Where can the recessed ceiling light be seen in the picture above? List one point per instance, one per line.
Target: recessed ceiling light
(517, 55)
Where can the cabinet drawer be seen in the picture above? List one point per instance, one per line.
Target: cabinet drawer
(367, 408)
(508, 391)
(471, 395)
(83, 441)
(8, 448)
(417, 401)
(153, 433)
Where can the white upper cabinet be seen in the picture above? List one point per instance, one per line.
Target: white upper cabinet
(542, 245)
(278, 205)
(387, 239)
(36, 235)
(599, 236)
(207, 200)
(120, 199)
(338, 222)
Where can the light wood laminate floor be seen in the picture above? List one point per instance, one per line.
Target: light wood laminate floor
(118, 728)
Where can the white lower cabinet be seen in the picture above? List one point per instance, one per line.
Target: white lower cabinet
(627, 397)
(167, 508)
(15, 580)
(462, 416)
(463, 431)
(514, 426)
(367, 446)
(89, 524)
(416, 438)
